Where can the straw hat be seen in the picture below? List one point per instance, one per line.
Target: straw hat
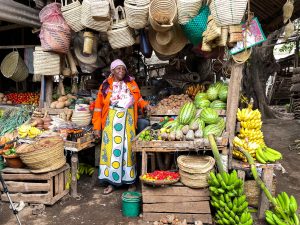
(78, 48)
(169, 42)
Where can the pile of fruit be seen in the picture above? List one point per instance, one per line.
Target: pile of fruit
(173, 103)
(28, 131)
(251, 137)
(193, 89)
(228, 199)
(288, 215)
(215, 97)
(11, 152)
(160, 175)
(63, 101)
(23, 98)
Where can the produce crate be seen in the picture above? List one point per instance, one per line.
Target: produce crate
(183, 202)
(81, 143)
(171, 146)
(45, 188)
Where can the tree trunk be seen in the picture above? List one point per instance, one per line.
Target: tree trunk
(260, 66)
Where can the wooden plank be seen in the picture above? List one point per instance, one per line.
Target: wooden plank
(25, 187)
(144, 162)
(61, 182)
(54, 199)
(30, 198)
(167, 198)
(183, 207)
(267, 177)
(191, 218)
(173, 190)
(56, 185)
(15, 170)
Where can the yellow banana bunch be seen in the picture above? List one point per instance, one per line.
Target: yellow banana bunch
(248, 114)
(246, 145)
(252, 124)
(192, 90)
(251, 134)
(27, 130)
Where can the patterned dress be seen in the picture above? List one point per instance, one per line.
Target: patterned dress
(117, 162)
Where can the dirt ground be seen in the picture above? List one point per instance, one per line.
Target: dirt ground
(95, 208)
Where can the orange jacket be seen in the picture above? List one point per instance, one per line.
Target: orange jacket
(102, 104)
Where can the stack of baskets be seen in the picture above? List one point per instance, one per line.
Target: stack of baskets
(44, 155)
(46, 63)
(72, 14)
(137, 13)
(235, 33)
(120, 34)
(194, 170)
(13, 67)
(81, 115)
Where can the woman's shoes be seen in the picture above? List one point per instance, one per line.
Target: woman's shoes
(108, 190)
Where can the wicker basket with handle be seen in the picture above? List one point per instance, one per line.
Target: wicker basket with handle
(72, 14)
(137, 15)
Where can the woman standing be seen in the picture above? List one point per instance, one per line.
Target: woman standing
(116, 114)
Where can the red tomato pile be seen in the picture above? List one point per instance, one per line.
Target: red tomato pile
(24, 98)
(161, 175)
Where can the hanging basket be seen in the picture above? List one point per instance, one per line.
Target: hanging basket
(46, 63)
(88, 21)
(120, 35)
(228, 12)
(72, 14)
(100, 9)
(162, 14)
(13, 67)
(137, 15)
(187, 9)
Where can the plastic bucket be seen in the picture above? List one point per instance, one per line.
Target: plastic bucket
(131, 203)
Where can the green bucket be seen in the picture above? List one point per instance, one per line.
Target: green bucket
(131, 203)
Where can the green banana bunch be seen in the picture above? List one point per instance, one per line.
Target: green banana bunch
(85, 169)
(265, 154)
(227, 197)
(286, 211)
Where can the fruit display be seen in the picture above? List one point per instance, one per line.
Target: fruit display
(265, 154)
(63, 101)
(228, 199)
(13, 118)
(160, 175)
(284, 211)
(21, 98)
(193, 89)
(172, 103)
(215, 97)
(28, 131)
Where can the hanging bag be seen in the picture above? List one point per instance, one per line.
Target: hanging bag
(137, 13)
(187, 9)
(195, 27)
(145, 46)
(120, 34)
(100, 9)
(72, 14)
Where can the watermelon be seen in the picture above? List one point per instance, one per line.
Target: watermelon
(212, 93)
(221, 123)
(171, 124)
(223, 92)
(200, 96)
(202, 103)
(217, 104)
(212, 129)
(209, 116)
(187, 113)
(218, 85)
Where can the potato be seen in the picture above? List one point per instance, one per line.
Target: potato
(60, 105)
(53, 105)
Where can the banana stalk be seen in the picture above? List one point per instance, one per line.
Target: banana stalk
(216, 153)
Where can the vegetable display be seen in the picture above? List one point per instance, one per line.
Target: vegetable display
(23, 98)
(160, 175)
(173, 103)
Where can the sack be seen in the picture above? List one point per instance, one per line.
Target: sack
(194, 29)
(145, 46)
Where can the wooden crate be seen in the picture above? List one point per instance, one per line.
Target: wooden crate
(81, 143)
(183, 202)
(45, 188)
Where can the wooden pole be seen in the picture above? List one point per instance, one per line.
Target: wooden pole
(49, 90)
(233, 98)
(42, 95)
(297, 54)
(74, 167)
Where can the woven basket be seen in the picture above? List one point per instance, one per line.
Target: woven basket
(46, 63)
(100, 9)
(206, 47)
(235, 37)
(14, 67)
(235, 28)
(222, 40)
(212, 32)
(138, 2)
(187, 9)
(72, 14)
(162, 14)
(196, 180)
(88, 21)
(120, 34)
(137, 15)
(195, 164)
(228, 12)
(43, 154)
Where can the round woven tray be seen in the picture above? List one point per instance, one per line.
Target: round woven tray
(159, 182)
